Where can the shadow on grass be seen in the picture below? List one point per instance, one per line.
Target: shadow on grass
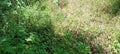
(87, 38)
(97, 49)
(114, 9)
(69, 44)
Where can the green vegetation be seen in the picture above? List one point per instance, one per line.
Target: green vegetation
(59, 26)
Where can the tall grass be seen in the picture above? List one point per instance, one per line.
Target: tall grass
(59, 26)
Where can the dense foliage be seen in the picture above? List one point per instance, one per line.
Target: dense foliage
(59, 27)
(26, 28)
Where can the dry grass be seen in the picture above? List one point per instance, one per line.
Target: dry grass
(90, 16)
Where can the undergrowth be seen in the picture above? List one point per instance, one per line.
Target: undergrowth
(59, 27)
(26, 28)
